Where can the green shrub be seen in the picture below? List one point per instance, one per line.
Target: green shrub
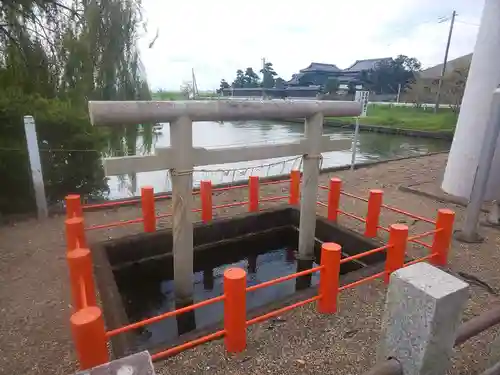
(62, 130)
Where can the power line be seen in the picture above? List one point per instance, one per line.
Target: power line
(405, 29)
(467, 23)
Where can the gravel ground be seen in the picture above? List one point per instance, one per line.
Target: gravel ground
(35, 307)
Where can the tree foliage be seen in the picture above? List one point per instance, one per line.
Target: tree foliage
(268, 74)
(55, 56)
(247, 79)
(279, 83)
(223, 85)
(452, 90)
(388, 75)
(331, 86)
(250, 79)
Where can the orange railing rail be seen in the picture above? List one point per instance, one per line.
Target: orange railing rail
(74, 208)
(87, 322)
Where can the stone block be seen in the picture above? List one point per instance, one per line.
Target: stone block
(135, 364)
(423, 311)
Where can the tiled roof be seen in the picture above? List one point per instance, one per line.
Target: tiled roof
(321, 67)
(368, 64)
(295, 79)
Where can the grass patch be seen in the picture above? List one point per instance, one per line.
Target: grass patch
(407, 118)
(167, 95)
(177, 95)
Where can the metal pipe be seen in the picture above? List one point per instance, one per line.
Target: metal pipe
(477, 325)
(494, 370)
(355, 144)
(469, 230)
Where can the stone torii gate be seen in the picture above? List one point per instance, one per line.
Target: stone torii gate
(181, 157)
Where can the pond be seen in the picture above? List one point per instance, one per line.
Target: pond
(371, 146)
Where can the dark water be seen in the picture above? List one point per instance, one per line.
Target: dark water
(371, 146)
(147, 297)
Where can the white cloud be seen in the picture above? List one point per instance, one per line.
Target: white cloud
(220, 36)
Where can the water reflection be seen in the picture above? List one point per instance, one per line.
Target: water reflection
(371, 146)
(154, 295)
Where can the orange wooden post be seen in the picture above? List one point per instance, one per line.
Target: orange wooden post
(235, 280)
(89, 336)
(373, 215)
(442, 239)
(294, 197)
(75, 233)
(206, 200)
(395, 259)
(73, 206)
(329, 277)
(334, 198)
(253, 193)
(81, 278)
(148, 208)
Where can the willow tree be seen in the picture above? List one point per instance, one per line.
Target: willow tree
(55, 55)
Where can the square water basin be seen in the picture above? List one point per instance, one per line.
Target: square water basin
(135, 273)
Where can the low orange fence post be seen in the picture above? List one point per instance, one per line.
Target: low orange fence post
(73, 206)
(294, 187)
(206, 200)
(148, 208)
(81, 278)
(89, 336)
(235, 280)
(373, 215)
(442, 239)
(75, 233)
(334, 198)
(329, 277)
(253, 193)
(395, 258)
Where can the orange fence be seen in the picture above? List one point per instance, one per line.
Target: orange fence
(74, 208)
(90, 335)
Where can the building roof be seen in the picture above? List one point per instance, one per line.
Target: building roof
(452, 65)
(295, 79)
(314, 67)
(367, 64)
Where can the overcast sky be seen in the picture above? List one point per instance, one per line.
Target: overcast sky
(217, 37)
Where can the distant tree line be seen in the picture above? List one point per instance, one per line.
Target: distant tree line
(386, 78)
(250, 79)
(389, 75)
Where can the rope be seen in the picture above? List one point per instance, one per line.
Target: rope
(243, 170)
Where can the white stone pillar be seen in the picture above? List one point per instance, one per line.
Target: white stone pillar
(484, 78)
(181, 140)
(307, 226)
(36, 167)
(423, 310)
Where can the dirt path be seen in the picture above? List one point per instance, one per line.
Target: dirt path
(35, 307)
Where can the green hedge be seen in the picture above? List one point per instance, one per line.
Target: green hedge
(61, 128)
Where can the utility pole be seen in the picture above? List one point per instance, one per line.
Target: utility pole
(263, 75)
(443, 71)
(195, 85)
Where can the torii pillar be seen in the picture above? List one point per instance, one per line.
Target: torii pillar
(484, 78)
